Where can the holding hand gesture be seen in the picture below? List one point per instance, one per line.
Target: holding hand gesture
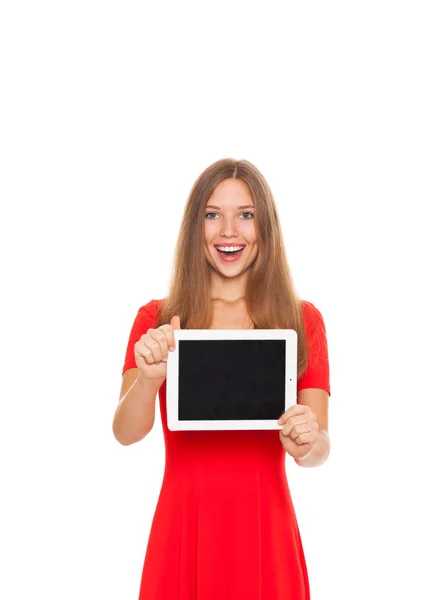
(300, 430)
(151, 350)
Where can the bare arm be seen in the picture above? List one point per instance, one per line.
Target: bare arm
(134, 416)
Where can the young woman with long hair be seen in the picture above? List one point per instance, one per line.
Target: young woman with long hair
(225, 526)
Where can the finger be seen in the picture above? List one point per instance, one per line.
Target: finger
(156, 341)
(305, 438)
(142, 350)
(297, 409)
(175, 322)
(169, 335)
(293, 421)
(163, 335)
(298, 431)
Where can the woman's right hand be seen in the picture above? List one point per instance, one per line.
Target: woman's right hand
(151, 350)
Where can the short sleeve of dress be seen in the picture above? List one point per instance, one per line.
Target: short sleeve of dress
(317, 373)
(143, 321)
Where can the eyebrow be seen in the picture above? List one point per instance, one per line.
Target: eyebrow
(239, 207)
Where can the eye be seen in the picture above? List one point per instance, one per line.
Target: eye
(213, 213)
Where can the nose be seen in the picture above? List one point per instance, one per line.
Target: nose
(229, 227)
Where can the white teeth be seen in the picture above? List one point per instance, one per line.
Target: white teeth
(229, 248)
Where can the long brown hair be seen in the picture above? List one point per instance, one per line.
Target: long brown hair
(271, 300)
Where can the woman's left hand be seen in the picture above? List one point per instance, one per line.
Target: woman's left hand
(300, 430)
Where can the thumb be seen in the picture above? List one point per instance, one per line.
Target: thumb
(175, 322)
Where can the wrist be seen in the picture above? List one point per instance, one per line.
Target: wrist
(149, 383)
(296, 458)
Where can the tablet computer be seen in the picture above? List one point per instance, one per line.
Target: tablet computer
(231, 378)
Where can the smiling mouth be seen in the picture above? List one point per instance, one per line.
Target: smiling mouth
(230, 255)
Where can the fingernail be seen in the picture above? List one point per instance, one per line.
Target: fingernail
(171, 348)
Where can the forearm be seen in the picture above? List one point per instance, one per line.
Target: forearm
(319, 452)
(134, 416)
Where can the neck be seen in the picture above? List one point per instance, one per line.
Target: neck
(228, 289)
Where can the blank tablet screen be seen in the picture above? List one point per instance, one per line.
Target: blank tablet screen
(231, 379)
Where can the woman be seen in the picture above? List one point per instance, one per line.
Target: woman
(225, 526)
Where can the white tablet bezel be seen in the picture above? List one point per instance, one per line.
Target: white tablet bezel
(290, 337)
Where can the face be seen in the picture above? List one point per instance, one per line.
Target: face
(229, 221)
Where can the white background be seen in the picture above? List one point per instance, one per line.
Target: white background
(109, 112)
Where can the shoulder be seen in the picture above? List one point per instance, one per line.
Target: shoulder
(151, 307)
(315, 329)
(147, 312)
(311, 314)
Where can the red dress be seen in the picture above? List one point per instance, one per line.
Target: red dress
(225, 527)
